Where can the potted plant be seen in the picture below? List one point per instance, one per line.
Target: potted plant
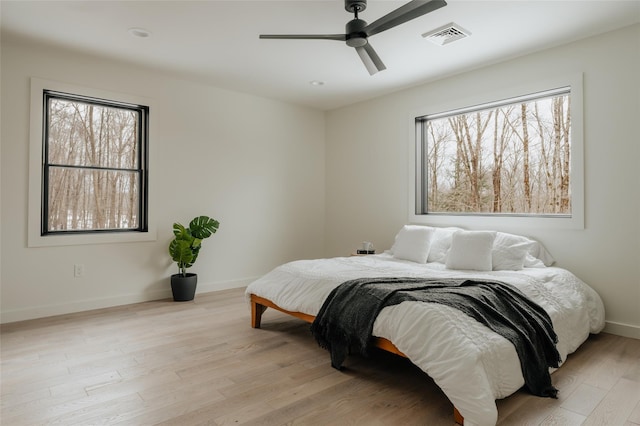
(184, 249)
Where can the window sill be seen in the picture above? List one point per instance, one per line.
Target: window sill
(83, 239)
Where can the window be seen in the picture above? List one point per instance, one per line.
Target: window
(508, 157)
(89, 162)
(94, 165)
(512, 162)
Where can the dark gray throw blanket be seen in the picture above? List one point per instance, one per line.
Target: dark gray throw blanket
(346, 318)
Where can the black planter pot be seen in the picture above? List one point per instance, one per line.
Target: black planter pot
(183, 287)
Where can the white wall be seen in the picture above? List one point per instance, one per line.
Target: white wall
(254, 164)
(367, 164)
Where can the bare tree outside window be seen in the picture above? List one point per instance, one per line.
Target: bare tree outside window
(511, 157)
(94, 166)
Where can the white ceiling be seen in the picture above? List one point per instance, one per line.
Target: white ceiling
(216, 42)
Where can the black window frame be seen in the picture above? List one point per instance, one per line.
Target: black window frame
(142, 170)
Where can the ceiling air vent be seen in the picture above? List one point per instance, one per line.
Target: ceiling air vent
(446, 34)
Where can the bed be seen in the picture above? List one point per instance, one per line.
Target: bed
(470, 363)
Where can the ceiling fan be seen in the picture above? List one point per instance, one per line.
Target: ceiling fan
(358, 31)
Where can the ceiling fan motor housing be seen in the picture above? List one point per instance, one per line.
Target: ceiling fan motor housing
(353, 6)
(355, 33)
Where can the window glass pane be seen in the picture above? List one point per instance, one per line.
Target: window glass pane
(510, 159)
(94, 135)
(86, 199)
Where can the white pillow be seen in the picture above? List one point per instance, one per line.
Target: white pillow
(509, 258)
(540, 254)
(533, 262)
(413, 243)
(536, 250)
(471, 250)
(395, 242)
(440, 244)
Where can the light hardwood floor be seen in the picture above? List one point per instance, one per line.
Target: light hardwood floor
(200, 363)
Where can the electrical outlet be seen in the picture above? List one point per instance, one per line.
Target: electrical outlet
(78, 270)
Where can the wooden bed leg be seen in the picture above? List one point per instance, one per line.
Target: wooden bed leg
(457, 417)
(256, 313)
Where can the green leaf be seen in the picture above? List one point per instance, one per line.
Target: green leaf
(181, 253)
(203, 226)
(180, 231)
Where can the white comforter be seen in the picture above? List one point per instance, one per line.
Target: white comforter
(472, 365)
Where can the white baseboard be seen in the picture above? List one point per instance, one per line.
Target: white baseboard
(43, 311)
(620, 329)
(222, 285)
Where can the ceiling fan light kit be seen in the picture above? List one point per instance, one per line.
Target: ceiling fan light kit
(358, 31)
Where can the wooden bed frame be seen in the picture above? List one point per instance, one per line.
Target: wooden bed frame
(260, 304)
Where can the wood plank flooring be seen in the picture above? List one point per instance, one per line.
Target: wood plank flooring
(200, 363)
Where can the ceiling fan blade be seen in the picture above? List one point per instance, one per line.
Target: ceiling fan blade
(339, 37)
(409, 11)
(370, 59)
